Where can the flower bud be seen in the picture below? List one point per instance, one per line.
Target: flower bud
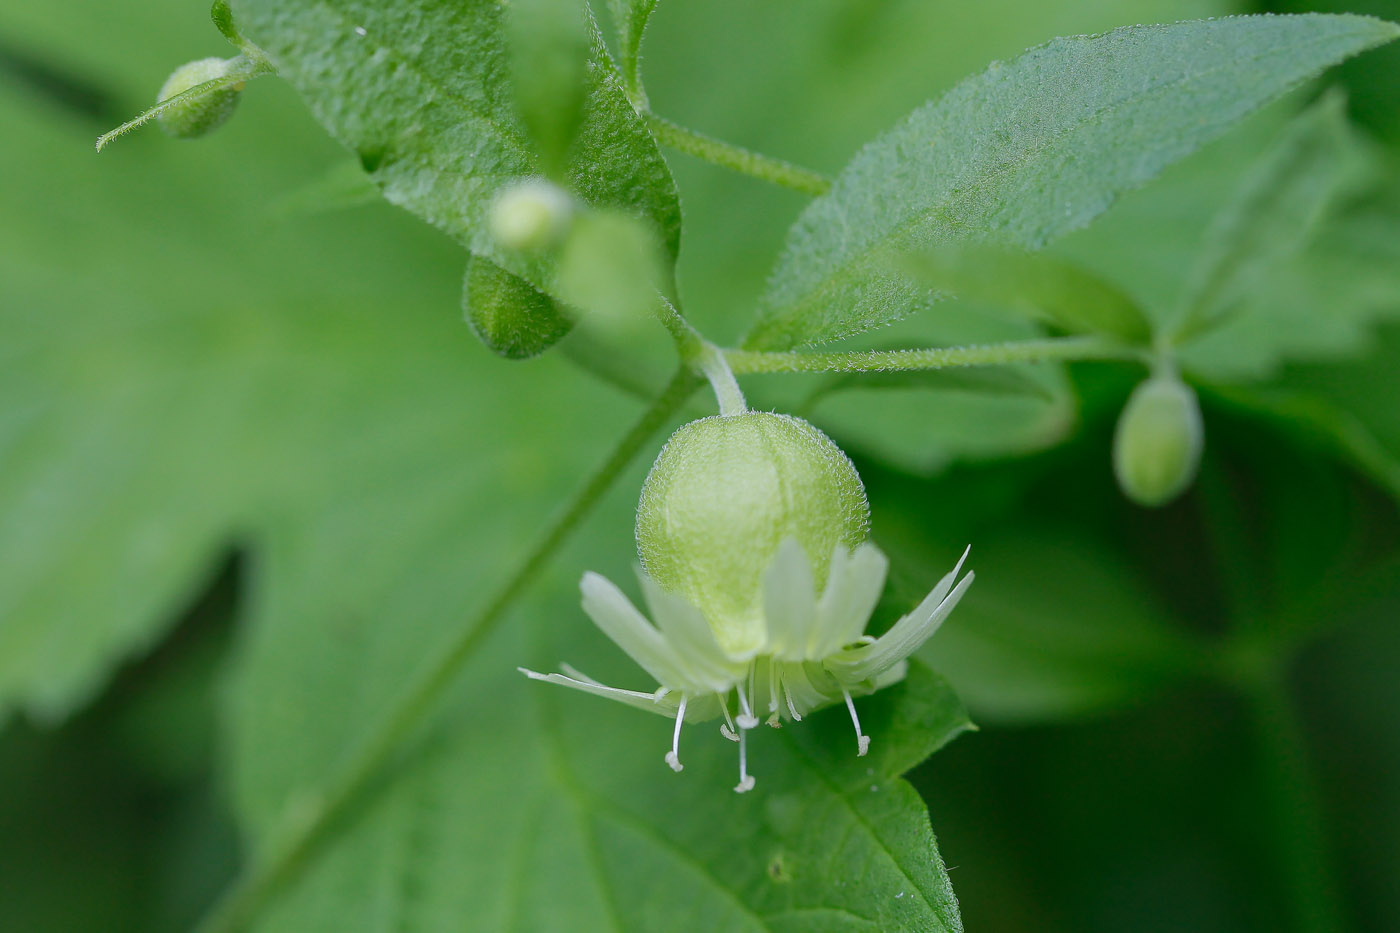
(203, 112)
(723, 495)
(1157, 447)
(531, 215)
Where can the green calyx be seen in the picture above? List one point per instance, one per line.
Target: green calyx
(1157, 446)
(201, 113)
(723, 495)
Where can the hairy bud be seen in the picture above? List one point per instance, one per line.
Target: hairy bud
(724, 494)
(204, 112)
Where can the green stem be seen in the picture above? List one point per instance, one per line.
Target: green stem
(1299, 845)
(744, 161)
(715, 368)
(884, 361)
(310, 826)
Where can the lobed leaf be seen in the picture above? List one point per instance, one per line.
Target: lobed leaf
(1030, 150)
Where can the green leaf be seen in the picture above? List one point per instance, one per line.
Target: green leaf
(508, 314)
(630, 17)
(1033, 284)
(549, 48)
(1324, 302)
(420, 91)
(1030, 150)
(1271, 217)
(575, 822)
(612, 265)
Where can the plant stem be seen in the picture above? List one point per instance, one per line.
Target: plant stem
(744, 161)
(726, 388)
(1299, 843)
(309, 826)
(884, 361)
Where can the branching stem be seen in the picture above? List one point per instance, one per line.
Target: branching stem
(884, 361)
(736, 158)
(309, 826)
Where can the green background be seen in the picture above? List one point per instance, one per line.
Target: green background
(251, 459)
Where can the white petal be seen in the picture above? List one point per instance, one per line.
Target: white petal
(852, 590)
(940, 590)
(789, 601)
(684, 628)
(646, 701)
(900, 641)
(614, 613)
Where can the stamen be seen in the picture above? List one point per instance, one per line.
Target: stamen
(746, 719)
(791, 708)
(728, 719)
(673, 758)
(772, 685)
(862, 741)
(746, 781)
(728, 733)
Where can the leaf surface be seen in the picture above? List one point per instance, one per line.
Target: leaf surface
(420, 91)
(1029, 150)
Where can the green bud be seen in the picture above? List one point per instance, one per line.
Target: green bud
(510, 315)
(203, 112)
(531, 215)
(1157, 447)
(723, 495)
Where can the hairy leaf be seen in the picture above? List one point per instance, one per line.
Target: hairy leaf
(1030, 150)
(420, 91)
(509, 315)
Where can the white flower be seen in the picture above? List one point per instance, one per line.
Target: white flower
(813, 652)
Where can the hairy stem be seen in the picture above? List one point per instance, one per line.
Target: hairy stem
(744, 161)
(715, 367)
(884, 361)
(309, 826)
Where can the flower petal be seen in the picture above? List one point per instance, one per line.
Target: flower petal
(789, 601)
(683, 627)
(646, 701)
(614, 613)
(853, 588)
(903, 639)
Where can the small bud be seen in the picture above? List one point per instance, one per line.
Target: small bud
(1157, 447)
(724, 494)
(531, 215)
(203, 112)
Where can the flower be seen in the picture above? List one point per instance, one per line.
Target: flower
(759, 581)
(814, 651)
